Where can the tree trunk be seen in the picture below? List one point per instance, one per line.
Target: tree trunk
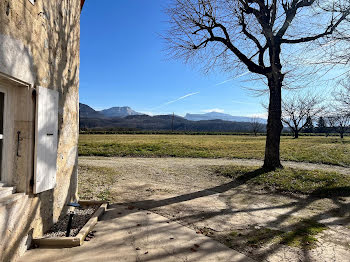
(274, 123)
(296, 133)
(341, 135)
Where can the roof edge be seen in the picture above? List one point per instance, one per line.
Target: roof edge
(82, 4)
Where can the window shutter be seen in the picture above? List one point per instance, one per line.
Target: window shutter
(46, 140)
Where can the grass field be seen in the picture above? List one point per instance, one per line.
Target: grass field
(290, 180)
(315, 149)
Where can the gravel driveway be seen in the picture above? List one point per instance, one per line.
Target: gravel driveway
(186, 191)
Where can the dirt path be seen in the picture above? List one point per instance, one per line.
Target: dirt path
(222, 161)
(247, 219)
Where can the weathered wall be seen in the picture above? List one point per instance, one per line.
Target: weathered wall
(39, 44)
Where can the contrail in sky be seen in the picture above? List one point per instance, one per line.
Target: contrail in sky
(232, 78)
(196, 93)
(177, 99)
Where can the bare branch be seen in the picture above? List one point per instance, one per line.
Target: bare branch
(330, 29)
(291, 11)
(251, 33)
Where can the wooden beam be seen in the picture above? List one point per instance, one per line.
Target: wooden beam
(82, 4)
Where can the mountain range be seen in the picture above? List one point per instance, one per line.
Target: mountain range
(222, 116)
(121, 118)
(88, 112)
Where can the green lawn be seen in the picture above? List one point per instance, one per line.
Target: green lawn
(315, 149)
(290, 180)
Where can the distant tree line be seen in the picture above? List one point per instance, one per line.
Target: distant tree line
(327, 125)
(308, 113)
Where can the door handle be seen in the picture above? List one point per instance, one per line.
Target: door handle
(18, 141)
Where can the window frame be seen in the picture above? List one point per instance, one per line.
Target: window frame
(3, 175)
(8, 84)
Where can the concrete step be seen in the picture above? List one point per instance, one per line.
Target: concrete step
(6, 191)
(2, 184)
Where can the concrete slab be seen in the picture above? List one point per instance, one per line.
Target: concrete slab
(129, 234)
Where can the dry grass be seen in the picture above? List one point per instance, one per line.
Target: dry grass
(290, 180)
(303, 235)
(96, 182)
(314, 149)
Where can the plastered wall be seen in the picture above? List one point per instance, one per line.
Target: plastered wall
(39, 45)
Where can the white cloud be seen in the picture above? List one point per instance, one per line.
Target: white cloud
(259, 115)
(244, 103)
(217, 110)
(147, 113)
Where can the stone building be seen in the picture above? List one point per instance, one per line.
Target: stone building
(39, 81)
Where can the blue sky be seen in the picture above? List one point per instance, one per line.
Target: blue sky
(124, 63)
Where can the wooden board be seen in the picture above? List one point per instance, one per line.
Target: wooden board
(46, 139)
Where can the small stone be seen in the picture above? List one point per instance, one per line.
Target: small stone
(82, 215)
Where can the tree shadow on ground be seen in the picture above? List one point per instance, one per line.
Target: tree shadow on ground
(300, 231)
(147, 204)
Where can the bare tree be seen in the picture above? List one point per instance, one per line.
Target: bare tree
(297, 109)
(340, 122)
(250, 34)
(339, 117)
(343, 95)
(256, 125)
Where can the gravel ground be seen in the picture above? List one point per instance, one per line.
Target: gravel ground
(186, 191)
(80, 218)
(108, 162)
